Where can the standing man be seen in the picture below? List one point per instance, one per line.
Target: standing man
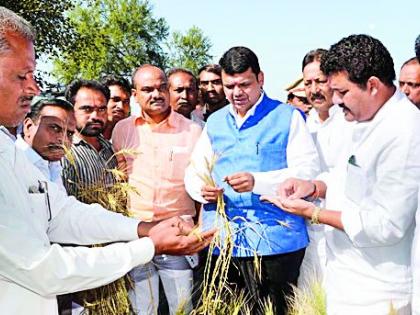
(332, 137)
(36, 215)
(371, 194)
(47, 130)
(259, 142)
(92, 157)
(118, 106)
(183, 92)
(211, 89)
(162, 140)
(410, 80)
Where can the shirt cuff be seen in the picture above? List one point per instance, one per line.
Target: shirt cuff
(262, 186)
(351, 223)
(142, 250)
(127, 228)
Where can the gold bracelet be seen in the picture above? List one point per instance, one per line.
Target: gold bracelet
(315, 215)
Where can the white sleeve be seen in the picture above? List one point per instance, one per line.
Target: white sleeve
(198, 167)
(302, 159)
(74, 222)
(28, 259)
(51, 270)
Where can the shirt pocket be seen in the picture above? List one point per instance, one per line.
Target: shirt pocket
(179, 158)
(271, 156)
(40, 208)
(356, 183)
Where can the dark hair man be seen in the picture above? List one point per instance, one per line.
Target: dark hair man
(183, 93)
(409, 80)
(36, 215)
(259, 142)
(373, 191)
(92, 156)
(332, 136)
(164, 140)
(47, 130)
(118, 103)
(211, 89)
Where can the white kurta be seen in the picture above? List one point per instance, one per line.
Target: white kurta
(376, 190)
(32, 271)
(332, 138)
(415, 261)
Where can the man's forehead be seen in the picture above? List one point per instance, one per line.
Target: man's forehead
(60, 120)
(149, 73)
(245, 76)
(21, 51)
(207, 75)
(410, 70)
(86, 96)
(181, 79)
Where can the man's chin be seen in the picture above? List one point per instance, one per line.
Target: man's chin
(91, 132)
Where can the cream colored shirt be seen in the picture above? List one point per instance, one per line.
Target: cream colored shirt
(156, 156)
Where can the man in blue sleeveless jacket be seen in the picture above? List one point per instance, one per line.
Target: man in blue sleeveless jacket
(258, 143)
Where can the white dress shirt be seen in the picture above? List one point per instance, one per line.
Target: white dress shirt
(376, 190)
(302, 158)
(50, 169)
(332, 138)
(32, 269)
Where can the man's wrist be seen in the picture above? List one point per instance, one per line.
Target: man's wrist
(314, 195)
(143, 228)
(316, 211)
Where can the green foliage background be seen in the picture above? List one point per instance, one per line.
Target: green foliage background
(91, 38)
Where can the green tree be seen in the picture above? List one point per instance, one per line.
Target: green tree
(190, 51)
(52, 26)
(113, 36)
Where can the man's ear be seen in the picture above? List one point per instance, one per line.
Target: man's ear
(373, 85)
(260, 78)
(28, 124)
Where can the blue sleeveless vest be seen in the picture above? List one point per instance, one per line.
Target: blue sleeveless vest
(258, 146)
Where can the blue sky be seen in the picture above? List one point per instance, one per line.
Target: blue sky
(281, 32)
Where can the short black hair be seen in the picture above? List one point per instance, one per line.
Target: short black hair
(173, 71)
(77, 84)
(238, 60)
(313, 55)
(41, 102)
(361, 56)
(213, 68)
(122, 82)
(417, 47)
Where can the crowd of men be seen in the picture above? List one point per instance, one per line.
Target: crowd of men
(324, 188)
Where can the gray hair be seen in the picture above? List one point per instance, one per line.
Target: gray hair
(10, 22)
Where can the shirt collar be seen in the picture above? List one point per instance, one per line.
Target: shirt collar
(78, 140)
(240, 120)
(31, 154)
(332, 111)
(142, 118)
(7, 133)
